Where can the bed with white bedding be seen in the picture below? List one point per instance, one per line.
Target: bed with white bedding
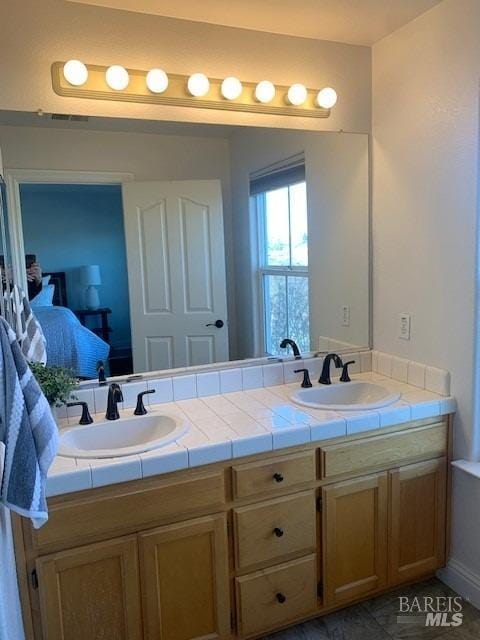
(69, 343)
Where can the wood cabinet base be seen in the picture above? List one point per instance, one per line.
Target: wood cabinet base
(239, 550)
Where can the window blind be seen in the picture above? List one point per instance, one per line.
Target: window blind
(278, 175)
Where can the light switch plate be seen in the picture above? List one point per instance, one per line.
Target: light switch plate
(346, 315)
(404, 326)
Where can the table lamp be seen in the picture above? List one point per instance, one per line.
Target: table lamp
(91, 278)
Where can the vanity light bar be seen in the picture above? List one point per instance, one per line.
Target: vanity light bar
(78, 80)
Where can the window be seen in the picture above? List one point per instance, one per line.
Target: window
(283, 272)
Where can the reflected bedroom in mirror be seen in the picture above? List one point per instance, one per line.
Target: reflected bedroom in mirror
(152, 245)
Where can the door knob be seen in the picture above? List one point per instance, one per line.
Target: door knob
(218, 323)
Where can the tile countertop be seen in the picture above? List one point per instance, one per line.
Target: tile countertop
(239, 424)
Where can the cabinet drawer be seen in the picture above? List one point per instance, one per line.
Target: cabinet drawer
(128, 508)
(273, 476)
(385, 451)
(270, 530)
(270, 598)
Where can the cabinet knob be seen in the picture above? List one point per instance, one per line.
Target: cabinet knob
(281, 598)
(278, 532)
(278, 477)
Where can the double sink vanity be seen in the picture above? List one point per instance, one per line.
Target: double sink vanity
(239, 513)
(133, 435)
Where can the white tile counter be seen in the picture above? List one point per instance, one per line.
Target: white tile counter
(241, 423)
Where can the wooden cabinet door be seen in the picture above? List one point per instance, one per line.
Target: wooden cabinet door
(185, 580)
(417, 519)
(355, 537)
(91, 592)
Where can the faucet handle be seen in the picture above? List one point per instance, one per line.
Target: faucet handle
(86, 417)
(345, 377)
(140, 408)
(306, 382)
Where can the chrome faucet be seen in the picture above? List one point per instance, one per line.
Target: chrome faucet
(325, 376)
(115, 395)
(286, 342)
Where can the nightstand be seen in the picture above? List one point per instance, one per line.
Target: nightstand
(103, 330)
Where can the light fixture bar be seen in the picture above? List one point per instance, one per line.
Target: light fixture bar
(176, 94)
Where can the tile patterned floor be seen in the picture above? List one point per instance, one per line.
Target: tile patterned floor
(376, 619)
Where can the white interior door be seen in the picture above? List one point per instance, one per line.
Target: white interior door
(176, 273)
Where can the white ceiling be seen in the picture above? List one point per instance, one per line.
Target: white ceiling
(361, 22)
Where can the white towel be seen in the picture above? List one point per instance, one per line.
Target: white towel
(28, 430)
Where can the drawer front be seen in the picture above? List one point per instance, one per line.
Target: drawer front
(270, 530)
(385, 451)
(273, 476)
(126, 509)
(267, 599)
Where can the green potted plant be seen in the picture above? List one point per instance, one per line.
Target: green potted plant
(57, 383)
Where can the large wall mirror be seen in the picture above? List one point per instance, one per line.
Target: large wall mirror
(155, 245)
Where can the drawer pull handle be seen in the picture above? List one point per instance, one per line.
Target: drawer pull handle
(278, 477)
(281, 598)
(278, 532)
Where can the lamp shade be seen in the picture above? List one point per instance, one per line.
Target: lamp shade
(90, 275)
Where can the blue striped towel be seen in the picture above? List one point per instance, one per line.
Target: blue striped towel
(28, 430)
(28, 330)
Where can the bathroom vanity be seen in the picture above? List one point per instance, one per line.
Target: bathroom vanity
(242, 547)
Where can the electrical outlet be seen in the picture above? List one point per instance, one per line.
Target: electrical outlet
(404, 326)
(346, 315)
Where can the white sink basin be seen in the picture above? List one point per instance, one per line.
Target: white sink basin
(123, 437)
(346, 396)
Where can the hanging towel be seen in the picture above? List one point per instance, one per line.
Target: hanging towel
(11, 624)
(28, 430)
(28, 330)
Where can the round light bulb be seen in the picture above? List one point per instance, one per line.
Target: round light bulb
(198, 85)
(75, 72)
(327, 98)
(157, 80)
(265, 91)
(297, 94)
(231, 88)
(117, 77)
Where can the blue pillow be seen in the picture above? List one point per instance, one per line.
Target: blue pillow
(44, 298)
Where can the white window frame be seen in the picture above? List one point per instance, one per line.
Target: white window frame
(264, 269)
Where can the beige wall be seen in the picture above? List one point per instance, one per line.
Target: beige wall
(425, 130)
(425, 205)
(34, 34)
(148, 156)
